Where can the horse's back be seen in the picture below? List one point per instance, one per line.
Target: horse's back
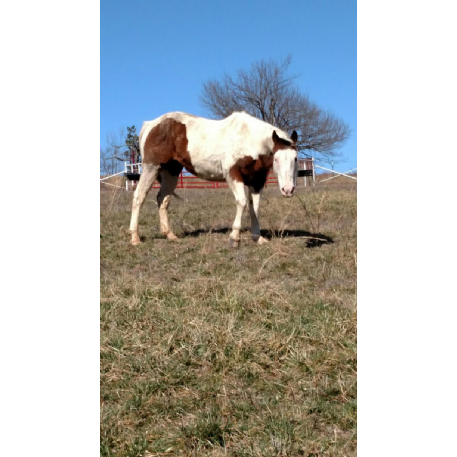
(212, 146)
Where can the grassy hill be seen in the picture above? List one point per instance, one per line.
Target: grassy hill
(212, 351)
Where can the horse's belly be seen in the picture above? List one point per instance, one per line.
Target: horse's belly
(208, 171)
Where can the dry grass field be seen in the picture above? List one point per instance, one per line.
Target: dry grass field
(213, 351)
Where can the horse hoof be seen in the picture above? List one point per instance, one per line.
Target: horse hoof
(234, 243)
(135, 242)
(260, 240)
(172, 237)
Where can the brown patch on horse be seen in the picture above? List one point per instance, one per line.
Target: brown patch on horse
(252, 172)
(166, 145)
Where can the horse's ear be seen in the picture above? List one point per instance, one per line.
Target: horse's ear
(294, 136)
(275, 136)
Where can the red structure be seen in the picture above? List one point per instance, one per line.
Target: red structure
(307, 163)
(189, 181)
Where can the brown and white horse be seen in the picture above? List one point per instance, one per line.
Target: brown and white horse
(239, 149)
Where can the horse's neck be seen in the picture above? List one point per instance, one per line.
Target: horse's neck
(254, 135)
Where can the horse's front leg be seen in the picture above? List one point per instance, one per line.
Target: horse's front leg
(254, 200)
(241, 202)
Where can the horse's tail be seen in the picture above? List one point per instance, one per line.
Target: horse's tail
(140, 139)
(159, 180)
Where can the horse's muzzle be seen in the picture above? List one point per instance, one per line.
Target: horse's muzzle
(287, 191)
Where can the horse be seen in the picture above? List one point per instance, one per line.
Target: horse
(239, 149)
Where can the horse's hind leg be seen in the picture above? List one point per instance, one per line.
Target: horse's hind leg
(147, 178)
(254, 200)
(169, 182)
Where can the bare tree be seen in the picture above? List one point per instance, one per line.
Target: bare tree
(120, 148)
(267, 92)
(108, 164)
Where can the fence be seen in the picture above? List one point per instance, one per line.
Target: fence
(188, 181)
(306, 170)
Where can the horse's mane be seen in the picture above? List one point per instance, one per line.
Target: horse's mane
(256, 123)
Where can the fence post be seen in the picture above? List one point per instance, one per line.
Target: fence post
(314, 173)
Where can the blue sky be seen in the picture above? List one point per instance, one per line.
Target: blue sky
(155, 55)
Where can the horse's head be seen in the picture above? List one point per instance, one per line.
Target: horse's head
(285, 163)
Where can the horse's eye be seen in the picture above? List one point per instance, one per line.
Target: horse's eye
(295, 159)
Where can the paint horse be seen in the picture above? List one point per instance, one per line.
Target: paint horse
(239, 149)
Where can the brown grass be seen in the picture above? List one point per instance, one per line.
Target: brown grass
(211, 351)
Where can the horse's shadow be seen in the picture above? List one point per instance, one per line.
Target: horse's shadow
(312, 239)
